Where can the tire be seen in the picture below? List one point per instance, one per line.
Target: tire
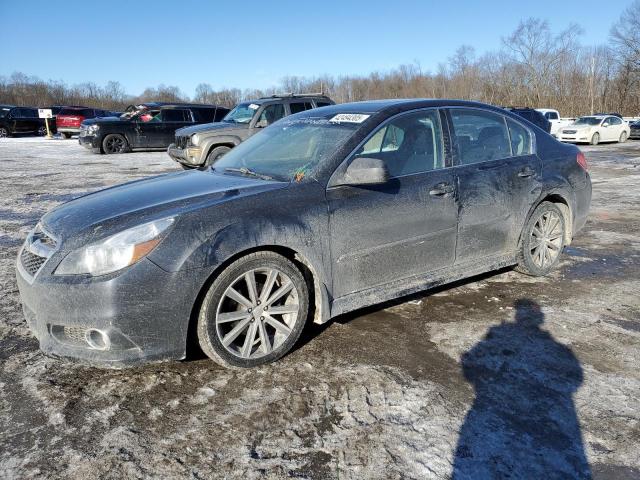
(225, 323)
(4, 132)
(533, 260)
(66, 135)
(42, 131)
(114, 143)
(595, 140)
(623, 137)
(214, 155)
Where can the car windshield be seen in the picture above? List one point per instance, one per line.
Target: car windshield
(288, 150)
(241, 113)
(588, 121)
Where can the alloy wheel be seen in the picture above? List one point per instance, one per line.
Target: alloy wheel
(257, 313)
(546, 239)
(4, 133)
(114, 145)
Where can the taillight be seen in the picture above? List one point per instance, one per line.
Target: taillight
(582, 161)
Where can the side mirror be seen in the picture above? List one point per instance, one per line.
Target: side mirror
(366, 171)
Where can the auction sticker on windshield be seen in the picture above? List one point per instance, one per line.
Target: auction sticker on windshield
(349, 118)
(253, 106)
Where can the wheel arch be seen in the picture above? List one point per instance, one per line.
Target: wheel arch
(318, 296)
(560, 200)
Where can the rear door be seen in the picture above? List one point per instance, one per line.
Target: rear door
(497, 178)
(171, 119)
(405, 227)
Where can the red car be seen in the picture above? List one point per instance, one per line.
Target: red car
(69, 119)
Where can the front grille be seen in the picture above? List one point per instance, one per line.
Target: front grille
(570, 132)
(181, 142)
(31, 262)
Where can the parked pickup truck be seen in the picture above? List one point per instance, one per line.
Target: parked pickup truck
(556, 121)
(199, 146)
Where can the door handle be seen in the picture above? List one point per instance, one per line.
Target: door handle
(441, 189)
(526, 172)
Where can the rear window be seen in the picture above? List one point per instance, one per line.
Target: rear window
(85, 112)
(176, 115)
(322, 104)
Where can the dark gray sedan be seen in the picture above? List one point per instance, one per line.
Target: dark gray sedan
(323, 212)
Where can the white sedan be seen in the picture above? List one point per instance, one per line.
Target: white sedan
(595, 129)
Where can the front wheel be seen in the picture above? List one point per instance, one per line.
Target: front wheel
(114, 143)
(214, 155)
(4, 132)
(42, 131)
(542, 240)
(595, 140)
(254, 312)
(623, 137)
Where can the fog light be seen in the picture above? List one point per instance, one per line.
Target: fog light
(97, 339)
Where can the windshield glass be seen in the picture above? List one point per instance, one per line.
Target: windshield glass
(588, 121)
(288, 150)
(241, 113)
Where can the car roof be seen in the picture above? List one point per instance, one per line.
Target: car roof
(279, 98)
(399, 105)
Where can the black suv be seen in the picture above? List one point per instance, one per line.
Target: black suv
(534, 116)
(148, 126)
(198, 147)
(20, 120)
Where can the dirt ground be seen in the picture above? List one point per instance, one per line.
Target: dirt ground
(498, 376)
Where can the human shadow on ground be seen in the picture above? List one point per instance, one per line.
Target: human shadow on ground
(523, 421)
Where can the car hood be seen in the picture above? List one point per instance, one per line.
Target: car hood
(212, 128)
(123, 206)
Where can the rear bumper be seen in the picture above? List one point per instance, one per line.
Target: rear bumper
(189, 157)
(139, 314)
(635, 134)
(75, 130)
(582, 205)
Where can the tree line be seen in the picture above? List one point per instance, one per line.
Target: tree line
(535, 67)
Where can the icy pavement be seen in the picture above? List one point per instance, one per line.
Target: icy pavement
(501, 376)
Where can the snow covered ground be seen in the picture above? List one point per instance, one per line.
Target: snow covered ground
(502, 375)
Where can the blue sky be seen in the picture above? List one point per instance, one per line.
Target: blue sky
(254, 44)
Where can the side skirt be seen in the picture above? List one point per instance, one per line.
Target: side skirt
(408, 286)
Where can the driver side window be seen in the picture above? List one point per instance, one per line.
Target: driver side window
(408, 144)
(271, 114)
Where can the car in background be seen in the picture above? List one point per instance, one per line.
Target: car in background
(147, 126)
(69, 119)
(199, 147)
(595, 129)
(556, 121)
(20, 120)
(635, 130)
(328, 211)
(532, 115)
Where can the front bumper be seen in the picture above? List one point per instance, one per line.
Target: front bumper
(635, 135)
(578, 137)
(138, 314)
(90, 141)
(190, 156)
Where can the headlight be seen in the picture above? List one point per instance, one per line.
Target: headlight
(195, 140)
(92, 129)
(116, 252)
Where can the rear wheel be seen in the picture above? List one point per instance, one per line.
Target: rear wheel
(595, 140)
(542, 240)
(42, 131)
(4, 132)
(66, 135)
(114, 143)
(254, 312)
(214, 155)
(623, 137)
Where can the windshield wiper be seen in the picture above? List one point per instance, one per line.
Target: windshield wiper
(248, 172)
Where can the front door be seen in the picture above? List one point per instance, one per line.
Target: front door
(498, 180)
(405, 227)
